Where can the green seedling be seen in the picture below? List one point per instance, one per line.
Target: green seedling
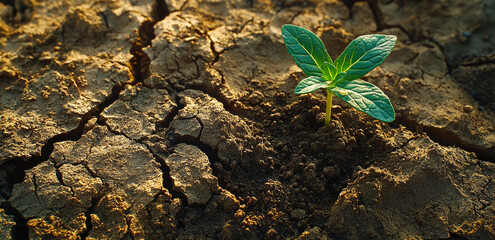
(341, 78)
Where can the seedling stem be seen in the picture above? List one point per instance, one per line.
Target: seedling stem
(328, 111)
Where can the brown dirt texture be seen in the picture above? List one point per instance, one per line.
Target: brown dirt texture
(176, 119)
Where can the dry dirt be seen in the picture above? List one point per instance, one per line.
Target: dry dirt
(176, 119)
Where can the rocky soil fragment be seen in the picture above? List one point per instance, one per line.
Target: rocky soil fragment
(180, 51)
(56, 199)
(191, 173)
(138, 110)
(187, 128)
(429, 194)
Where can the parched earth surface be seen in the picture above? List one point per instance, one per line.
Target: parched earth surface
(176, 119)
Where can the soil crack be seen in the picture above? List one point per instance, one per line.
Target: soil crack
(215, 93)
(167, 179)
(486, 60)
(140, 62)
(72, 135)
(378, 16)
(447, 138)
(87, 213)
(20, 229)
(209, 151)
(450, 65)
(60, 178)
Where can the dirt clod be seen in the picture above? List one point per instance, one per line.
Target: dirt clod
(192, 174)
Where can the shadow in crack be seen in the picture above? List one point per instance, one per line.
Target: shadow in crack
(20, 229)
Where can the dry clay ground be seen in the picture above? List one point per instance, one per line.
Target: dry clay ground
(175, 119)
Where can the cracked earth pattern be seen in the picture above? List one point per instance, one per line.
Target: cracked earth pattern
(175, 119)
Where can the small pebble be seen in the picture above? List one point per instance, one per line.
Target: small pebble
(271, 233)
(467, 108)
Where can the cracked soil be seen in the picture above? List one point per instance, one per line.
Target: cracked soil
(176, 119)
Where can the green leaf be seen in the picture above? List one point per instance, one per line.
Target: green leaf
(307, 50)
(364, 54)
(310, 84)
(340, 76)
(332, 71)
(367, 98)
